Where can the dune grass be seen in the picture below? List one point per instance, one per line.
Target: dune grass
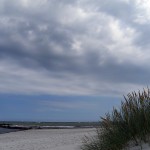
(130, 123)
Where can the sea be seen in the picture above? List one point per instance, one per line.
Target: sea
(44, 125)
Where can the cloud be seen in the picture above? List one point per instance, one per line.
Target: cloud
(73, 47)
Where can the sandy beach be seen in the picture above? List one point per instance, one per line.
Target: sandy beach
(45, 139)
(49, 139)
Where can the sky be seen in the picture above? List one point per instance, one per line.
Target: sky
(71, 60)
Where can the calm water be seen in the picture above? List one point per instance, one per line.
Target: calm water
(4, 130)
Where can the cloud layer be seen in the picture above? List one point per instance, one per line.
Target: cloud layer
(74, 47)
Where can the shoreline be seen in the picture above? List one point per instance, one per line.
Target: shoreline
(16, 128)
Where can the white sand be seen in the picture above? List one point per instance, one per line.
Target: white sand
(145, 146)
(49, 139)
(46, 139)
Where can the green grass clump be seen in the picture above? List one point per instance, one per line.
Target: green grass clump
(130, 123)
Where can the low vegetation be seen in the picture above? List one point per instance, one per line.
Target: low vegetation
(130, 123)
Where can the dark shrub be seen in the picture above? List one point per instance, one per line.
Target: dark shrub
(130, 123)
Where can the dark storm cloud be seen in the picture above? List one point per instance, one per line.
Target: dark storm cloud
(72, 47)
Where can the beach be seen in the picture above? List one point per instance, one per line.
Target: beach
(49, 139)
(45, 139)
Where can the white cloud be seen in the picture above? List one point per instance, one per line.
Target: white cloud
(144, 9)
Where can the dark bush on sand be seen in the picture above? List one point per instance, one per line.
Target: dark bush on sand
(130, 123)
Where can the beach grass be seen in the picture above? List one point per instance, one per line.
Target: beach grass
(130, 123)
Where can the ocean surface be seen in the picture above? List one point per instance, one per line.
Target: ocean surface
(44, 125)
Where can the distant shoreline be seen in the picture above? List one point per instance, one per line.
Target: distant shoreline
(14, 128)
(47, 125)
